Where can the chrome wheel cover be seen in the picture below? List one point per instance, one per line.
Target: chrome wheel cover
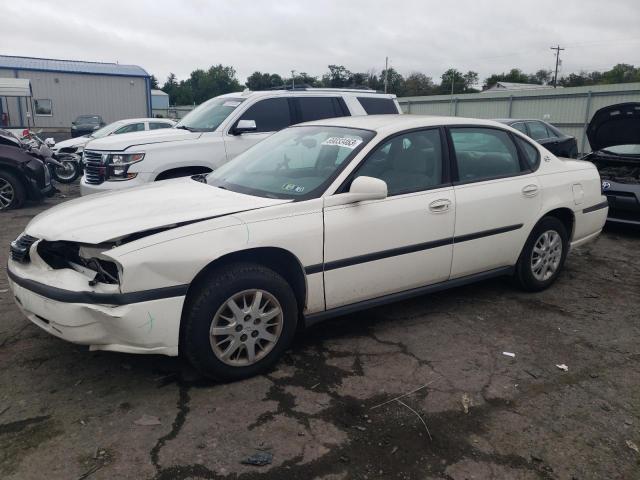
(66, 171)
(7, 194)
(246, 327)
(546, 255)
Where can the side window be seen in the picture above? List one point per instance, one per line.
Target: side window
(531, 154)
(376, 106)
(158, 125)
(521, 127)
(317, 108)
(483, 153)
(538, 130)
(270, 115)
(134, 127)
(551, 133)
(44, 107)
(408, 162)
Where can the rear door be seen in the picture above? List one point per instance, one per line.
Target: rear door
(498, 199)
(317, 108)
(404, 241)
(270, 115)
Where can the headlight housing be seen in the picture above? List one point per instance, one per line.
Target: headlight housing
(117, 167)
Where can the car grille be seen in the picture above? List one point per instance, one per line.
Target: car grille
(20, 248)
(93, 167)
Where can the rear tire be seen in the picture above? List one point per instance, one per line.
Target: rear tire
(543, 255)
(239, 322)
(12, 191)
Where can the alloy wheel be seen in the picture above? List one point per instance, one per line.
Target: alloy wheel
(7, 193)
(546, 255)
(246, 327)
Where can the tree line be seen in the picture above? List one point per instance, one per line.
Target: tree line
(218, 79)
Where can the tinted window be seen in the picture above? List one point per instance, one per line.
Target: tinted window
(270, 115)
(134, 127)
(538, 130)
(531, 154)
(317, 108)
(552, 132)
(375, 106)
(483, 153)
(521, 127)
(158, 125)
(408, 162)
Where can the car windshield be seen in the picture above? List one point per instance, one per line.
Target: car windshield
(208, 116)
(623, 149)
(88, 119)
(104, 131)
(295, 163)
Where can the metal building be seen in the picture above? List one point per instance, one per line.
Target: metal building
(64, 89)
(569, 109)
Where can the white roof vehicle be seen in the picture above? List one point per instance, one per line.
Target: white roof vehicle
(217, 131)
(319, 220)
(77, 144)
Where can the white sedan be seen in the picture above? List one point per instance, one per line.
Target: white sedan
(321, 219)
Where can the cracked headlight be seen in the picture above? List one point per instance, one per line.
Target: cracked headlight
(118, 165)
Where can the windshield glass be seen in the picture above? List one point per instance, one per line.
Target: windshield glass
(623, 150)
(104, 131)
(88, 119)
(208, 116)
(295, 163)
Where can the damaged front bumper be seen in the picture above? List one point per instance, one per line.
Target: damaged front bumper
(62, 302)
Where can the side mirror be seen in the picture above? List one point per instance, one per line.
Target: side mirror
(244, 126)
(362, 189)
(49, 142)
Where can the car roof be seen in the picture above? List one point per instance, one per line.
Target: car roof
(514, 120)
(147, 119)
(392, 123)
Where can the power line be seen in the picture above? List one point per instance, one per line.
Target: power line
(555, 77)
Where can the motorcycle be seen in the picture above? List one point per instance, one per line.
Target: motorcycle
(64, 167)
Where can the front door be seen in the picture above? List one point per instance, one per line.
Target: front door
(404, 241)
(270, 115)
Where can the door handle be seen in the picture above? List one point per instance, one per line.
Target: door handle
(530, 190)
(439, 206)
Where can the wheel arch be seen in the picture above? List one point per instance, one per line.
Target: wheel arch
(20, 175)
(278, 259)
(181, 172)
(566, 216)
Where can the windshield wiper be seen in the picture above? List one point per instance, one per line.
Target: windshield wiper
(184, 127)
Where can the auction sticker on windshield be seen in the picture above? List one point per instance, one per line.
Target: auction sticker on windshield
(350, 143)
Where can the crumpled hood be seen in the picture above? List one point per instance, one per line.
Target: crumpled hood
(126, 140)
(107, 216)
(615, 125)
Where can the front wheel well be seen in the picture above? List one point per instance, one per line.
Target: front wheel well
(281, 261)
(181, 172)
(566, 216)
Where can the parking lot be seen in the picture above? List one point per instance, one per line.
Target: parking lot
(327, 410)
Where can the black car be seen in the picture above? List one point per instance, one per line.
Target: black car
(86, 124)
(547, 135)
(23, 175)
(614, 136)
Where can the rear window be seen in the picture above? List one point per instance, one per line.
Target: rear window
(377, 106)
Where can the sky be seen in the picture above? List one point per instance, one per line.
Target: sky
(277, 36)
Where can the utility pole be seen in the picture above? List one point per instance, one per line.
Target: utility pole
(555, 77)
(386, 73)
(293, 79)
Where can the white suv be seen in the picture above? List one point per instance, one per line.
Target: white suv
(215, 132)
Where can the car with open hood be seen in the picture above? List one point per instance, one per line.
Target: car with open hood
(129, 125)
(319, 220)
(614, 136)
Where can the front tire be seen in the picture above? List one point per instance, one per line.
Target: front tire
(239, 322)
(68, 173)
(543, 255)
(12, 192)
